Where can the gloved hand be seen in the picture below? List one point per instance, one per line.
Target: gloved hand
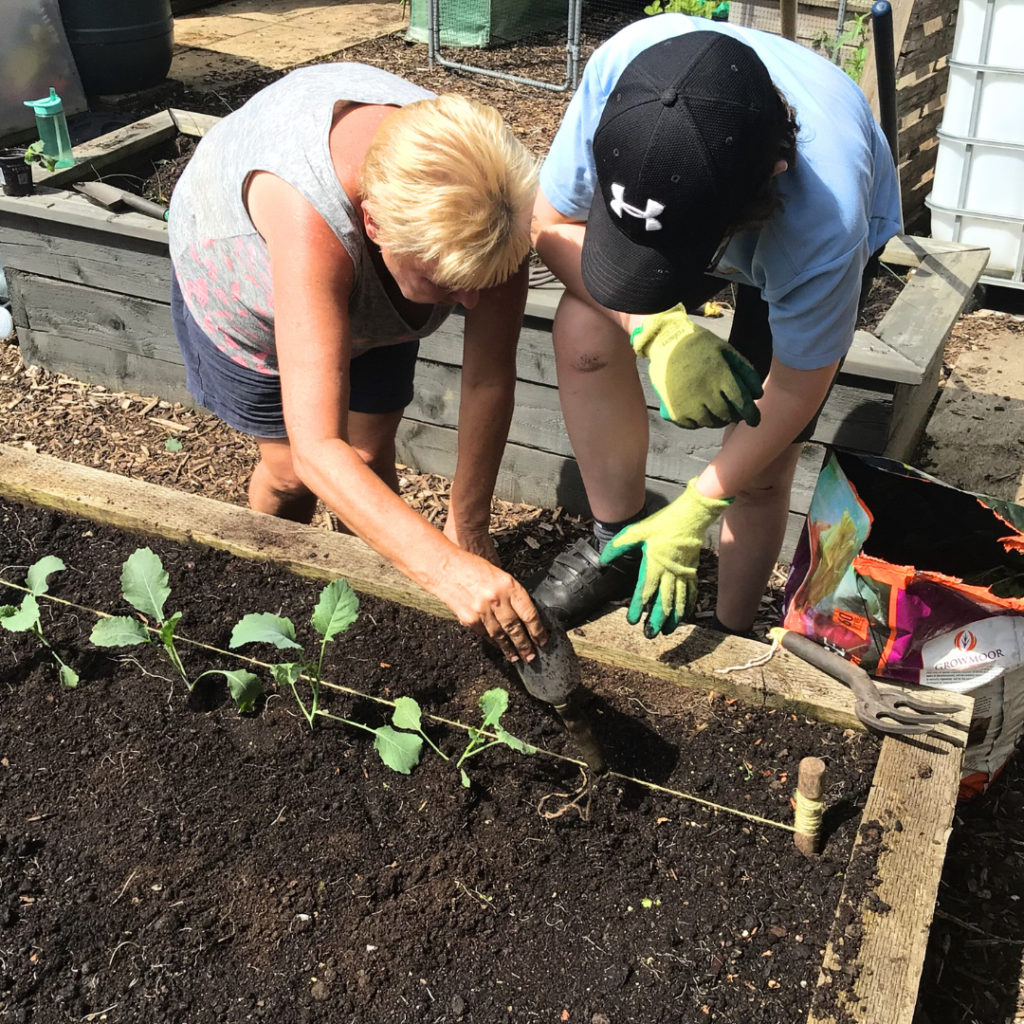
(670, 541)
(700, 380)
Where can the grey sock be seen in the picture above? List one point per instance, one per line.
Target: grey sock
(603, 532)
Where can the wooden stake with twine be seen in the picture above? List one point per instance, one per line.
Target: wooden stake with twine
(809, 806)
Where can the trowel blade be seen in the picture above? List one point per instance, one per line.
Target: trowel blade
(105, 195)
(555, 673)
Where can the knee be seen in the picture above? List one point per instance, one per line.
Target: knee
(585, 340)
(281, 479)
(764, 495)
(380, 456)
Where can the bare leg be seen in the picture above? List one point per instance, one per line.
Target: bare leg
(373, 436)
(603, 407)
(276, 489)
(753, 528)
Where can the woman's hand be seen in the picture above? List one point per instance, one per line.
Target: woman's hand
(491, 603)
(476, 540)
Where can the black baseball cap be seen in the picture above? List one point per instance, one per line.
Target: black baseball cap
(681, 148)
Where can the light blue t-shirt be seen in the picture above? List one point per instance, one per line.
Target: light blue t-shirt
(841, 200)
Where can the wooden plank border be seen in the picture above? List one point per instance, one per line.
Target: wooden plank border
(915, 783)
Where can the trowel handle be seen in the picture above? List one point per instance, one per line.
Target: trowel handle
(141, 205)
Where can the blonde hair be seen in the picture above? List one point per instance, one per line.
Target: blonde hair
(452, 186)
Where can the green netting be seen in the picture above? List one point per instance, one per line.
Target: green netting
(488, 22)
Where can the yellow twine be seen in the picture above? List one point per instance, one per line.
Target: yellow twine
(808, 815)
(434, 718)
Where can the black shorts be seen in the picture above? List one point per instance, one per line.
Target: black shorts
(751, 333)
(381, 380)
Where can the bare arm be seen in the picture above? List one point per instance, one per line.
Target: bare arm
(485, 409)
(313, 279)
(559, 242)
(791, 398)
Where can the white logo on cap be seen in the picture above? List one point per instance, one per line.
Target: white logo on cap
(649, 214)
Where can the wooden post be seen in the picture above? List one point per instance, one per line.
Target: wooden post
(787, 9)
(809, 788)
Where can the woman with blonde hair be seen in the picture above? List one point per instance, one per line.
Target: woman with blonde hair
(317, 233)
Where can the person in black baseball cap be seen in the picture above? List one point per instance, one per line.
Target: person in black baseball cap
(675, 172)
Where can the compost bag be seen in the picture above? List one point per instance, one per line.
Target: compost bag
(918, 582)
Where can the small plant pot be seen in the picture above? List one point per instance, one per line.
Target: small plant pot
(15, 174)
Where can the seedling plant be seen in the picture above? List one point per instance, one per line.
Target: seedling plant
(144, 585)
(26, 619)
(493, 703)
(35, 154)
(335, 611)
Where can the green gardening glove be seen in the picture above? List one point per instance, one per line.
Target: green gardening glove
(701, 380)
(670, 541)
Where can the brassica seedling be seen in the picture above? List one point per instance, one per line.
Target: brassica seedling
(26, 619)
(493, 703)
(336, 610)
(144, 583)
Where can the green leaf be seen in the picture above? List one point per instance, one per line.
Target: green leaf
(23, 618)
(7, 610)
(465, 778)
(36, 578)
(494, 703)
(243, 686)
(167, 630)
(263, 627)
(120, 631)
(407, 714)
(336, 610)
(144, 582)
(287, 674)
(398, 750)
(68, 677)
(513, 741)
(172, 444)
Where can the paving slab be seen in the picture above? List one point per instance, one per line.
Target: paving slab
(975, 438)
(231, 41)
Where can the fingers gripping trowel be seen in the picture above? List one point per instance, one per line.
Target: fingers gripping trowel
(554, 677)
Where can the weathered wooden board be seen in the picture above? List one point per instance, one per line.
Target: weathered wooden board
(913, 798)
(72, 313)
(111, 148)
(54, 205)
(87, 256)
(673, 454)
(189, 123)
(855, 416)
(869, 356)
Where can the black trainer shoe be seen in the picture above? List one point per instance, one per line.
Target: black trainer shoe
(577, 584)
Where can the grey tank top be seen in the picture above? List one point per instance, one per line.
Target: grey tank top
(222, 263)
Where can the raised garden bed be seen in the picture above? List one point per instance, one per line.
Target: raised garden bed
(184, 863)
(90, 292)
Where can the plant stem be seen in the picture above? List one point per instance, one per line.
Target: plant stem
(470, 751)
(348, 721)
(437, 750)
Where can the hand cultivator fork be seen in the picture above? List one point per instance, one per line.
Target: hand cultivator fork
(891, 713)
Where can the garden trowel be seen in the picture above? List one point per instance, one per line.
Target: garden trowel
(117, 199)
(554, 677)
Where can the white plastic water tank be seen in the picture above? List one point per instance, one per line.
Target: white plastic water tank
(978, 192)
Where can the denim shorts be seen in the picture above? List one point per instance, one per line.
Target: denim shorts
(381, 379)
(751, 333)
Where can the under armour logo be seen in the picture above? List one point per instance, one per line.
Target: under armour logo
(650, 213)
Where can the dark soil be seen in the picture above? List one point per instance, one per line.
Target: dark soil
(167, 860)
